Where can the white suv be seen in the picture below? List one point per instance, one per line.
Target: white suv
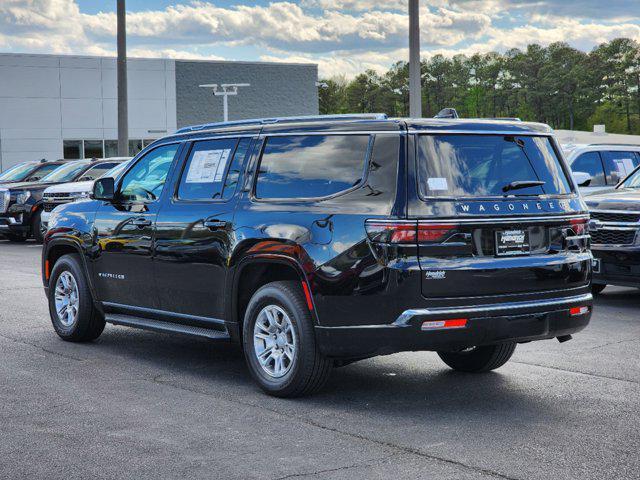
(598, 167)
(70, 192)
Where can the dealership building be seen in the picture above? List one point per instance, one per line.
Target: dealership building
(60, 106)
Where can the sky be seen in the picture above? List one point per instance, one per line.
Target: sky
(344, 37)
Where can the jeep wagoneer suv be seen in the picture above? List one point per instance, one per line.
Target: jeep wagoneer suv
(315, 242)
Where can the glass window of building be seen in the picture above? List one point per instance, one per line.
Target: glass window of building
(72, 149)
(93, 149)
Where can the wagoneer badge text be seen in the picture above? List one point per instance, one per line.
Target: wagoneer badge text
(112, 276)
(519, 207)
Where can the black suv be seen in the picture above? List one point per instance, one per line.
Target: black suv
(315, 242)
(21, 203)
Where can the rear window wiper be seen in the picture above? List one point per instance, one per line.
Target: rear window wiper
(518, 184)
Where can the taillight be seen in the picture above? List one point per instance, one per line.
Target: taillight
(578, 225)
(407, 231)
(444, 324)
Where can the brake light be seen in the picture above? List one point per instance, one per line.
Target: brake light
(406, 231)
(578, 225)
(444, 324)
(575, 311)
(433, 233)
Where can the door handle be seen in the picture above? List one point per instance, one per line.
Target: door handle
(214, 224)
(141, 222)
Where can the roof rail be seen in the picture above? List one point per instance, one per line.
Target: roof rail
(268, 121)
(453, 113)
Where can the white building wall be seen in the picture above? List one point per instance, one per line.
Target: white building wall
(45, 99)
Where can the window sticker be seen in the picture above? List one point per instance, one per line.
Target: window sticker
(208, 166)
(437, 183)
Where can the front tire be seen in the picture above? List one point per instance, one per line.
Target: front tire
(279, 342)
(479, 359)
(36, 227)
(73, 313)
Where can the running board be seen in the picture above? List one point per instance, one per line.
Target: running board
(165, 327)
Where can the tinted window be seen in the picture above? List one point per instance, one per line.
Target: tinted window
(204, 172)
(311, 166)
(483, 165)
(233, 175)
(590, 163)
(145, 181)
(72, 149)
(619, 165)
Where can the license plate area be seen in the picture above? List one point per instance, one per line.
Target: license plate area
(512, 241)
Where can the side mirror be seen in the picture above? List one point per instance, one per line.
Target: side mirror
(582, 179)
(104, 189)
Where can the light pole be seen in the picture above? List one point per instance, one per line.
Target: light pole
(415, 85)
(225, 91)
(123, 117)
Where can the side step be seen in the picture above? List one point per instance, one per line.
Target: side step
(165, 327)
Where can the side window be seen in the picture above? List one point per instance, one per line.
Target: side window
(203, 177)
(310, 166)
(233, 175)
(41, 172)
(145, 181)
(590, 163)
(619, 165)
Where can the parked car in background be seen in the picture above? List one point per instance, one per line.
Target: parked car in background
(30, 171)
(21, 203)
(615, 238)
(60, 194)
(605, 164)
(320, 241)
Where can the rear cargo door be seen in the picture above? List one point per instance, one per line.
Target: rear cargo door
(496, 216)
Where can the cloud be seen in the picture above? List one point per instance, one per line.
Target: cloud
(342, 36)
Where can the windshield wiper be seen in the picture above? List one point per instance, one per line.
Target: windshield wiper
(518, 184)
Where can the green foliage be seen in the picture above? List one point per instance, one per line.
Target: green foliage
(558, 85)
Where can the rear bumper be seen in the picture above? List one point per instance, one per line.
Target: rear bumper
(487, 324)
(617, 266)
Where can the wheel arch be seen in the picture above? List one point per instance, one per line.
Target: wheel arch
(255, 271)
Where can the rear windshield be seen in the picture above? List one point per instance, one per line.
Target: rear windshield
(488, 166)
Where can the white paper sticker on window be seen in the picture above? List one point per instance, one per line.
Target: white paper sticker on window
(208, 166)
(436, 183)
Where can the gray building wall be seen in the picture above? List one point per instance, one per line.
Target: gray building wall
(276, 90)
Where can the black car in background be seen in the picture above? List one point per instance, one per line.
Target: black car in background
(21, 202)
(315, 242)
(614, 227)
(30, 171)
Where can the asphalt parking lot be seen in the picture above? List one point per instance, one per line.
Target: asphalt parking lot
(138, 404)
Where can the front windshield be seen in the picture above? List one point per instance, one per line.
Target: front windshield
(632, 181)
(116, 171)
(65, 173)
(17, 172)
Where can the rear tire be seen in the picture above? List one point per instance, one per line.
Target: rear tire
(479, 359)
(597, 288)
(80, 321)
(36, 227)
(279, 342)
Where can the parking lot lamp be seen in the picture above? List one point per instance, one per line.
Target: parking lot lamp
(123, 118)
(225, 91)
(415, 86)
